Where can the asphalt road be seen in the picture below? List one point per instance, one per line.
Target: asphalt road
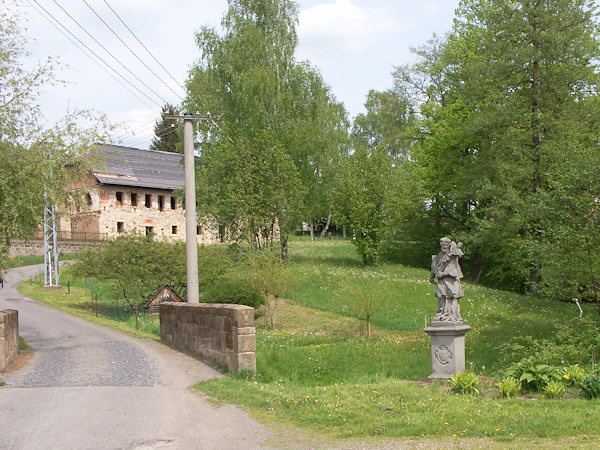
(88, 387)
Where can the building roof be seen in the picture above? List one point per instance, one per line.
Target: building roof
(127, 166)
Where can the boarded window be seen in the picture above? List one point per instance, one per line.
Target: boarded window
(119, 197)
(133, 199)
(120, 227)
(148, 201)
(173, 202)
(173, 229)
(161, 202)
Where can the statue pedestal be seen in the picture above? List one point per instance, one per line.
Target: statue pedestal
(447, 348)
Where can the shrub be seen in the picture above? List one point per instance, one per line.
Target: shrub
(509, 387)
(589, 387)
(233, 290)
(534, 377)
(572, 375)
(554, 390)
(465, 383)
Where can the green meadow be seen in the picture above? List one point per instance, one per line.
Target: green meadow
(318, 371)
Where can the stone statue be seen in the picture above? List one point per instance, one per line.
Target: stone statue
(446, 275)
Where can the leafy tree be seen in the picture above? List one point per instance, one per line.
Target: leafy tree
(268, 275)
(508, 110)
(533, 101)
(36, 163)
(365, 198)
(272, 113)
(364, 301)
(372, 184)
(135, 266)
(386, 123)
(167, 135)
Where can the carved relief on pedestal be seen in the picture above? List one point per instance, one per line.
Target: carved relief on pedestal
(443, 355)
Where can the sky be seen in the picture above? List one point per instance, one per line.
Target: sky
(354, 43)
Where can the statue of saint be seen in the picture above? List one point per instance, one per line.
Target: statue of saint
(446, 275)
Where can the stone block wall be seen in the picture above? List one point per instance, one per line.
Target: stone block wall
(9, 337)
(35, 247)
(217, 332)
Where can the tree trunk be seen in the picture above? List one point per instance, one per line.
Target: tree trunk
(271, 307)
(326, 227)
(344, 232)
(284, 245)
(476, 268)
(368, 328)
(535, 270)
(591, 266)
(311, 228)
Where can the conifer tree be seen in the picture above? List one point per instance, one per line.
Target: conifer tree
(167, 133)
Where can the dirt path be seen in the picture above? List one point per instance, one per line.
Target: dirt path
(90, 387)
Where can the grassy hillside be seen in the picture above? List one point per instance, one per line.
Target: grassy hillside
(317, 370)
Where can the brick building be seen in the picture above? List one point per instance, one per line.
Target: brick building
(133, 190)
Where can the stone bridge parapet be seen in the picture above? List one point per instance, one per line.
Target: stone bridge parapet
(222, 333)
(9, 337)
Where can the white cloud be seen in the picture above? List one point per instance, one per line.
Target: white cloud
(344, 25)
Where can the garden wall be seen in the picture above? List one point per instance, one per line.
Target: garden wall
(35, 247)
(217, 332)
(9, 337)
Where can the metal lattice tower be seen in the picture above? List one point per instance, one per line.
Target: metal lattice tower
(51, 272)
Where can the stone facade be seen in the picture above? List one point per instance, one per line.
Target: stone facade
(9, 337)
(216, 332)
(133, 191)
(112, 210)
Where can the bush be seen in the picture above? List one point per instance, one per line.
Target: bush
(534, 377)
(233, 290)
(572, 375)
(554, 390)
(509, 387)
(572, 340)
(465, 383)
(589, 387)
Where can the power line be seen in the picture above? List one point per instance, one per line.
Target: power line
(91, 51)
(109, 53)
(145, 48)
(129, 48)
(132, 132)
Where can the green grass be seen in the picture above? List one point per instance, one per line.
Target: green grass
(318, 371)
(23, 346)
(399, 408)
(79, 303)
(21, 261)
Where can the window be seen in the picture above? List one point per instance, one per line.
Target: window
(149, 231)
(161, 202)
(119, 197)
(88, 199)
(148, 201)
(120, 227)
(198, 229)
(173, 229)
(173, 202)
(133, 199)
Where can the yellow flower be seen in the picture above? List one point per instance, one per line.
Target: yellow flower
(566, 376)
(453, 435)
(497, 429)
